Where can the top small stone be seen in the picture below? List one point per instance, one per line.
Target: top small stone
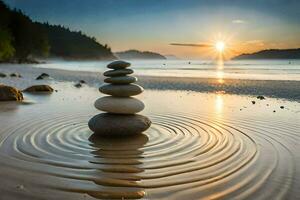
(119, 64)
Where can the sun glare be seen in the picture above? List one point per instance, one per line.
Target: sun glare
(220, 46)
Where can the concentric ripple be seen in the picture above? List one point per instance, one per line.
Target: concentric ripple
(182, 156)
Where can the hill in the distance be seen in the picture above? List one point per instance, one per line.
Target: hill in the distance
(140, 55)
(271, 54)
(23, 40)
(75, 45)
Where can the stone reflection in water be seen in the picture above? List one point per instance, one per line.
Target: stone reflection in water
(120, 160)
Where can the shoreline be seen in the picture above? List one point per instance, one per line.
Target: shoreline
(283, 89)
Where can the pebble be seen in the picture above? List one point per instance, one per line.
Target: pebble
(121, 90)
(119, 64)
(106, 124)
(39, 88)
(118, 72)
(121, 80)
(8, 93)
(119, 105)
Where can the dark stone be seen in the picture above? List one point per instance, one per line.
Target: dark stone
(8, 93)
(121, 90)
(39, 88)
(39, 78)
(261, 97)
(42, 76)
(45, 75)
(253, 102)
(78, 85)
(118, 72)
(15, 75)
(82, 82)
(282, 107)
(106, 124)
(2, 75)
(121, 80)
(119, 64)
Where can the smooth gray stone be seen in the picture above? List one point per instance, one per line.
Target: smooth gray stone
(118, 72)
(121, 80)
(119, 105)
(119, 64)
(106, 124)
(121, 90)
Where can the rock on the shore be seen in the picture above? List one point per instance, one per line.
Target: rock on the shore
(119, 105)
(2, 75)
(15, 75)
(119, 64)
(121, 90)
(39, 88)
(260, 97)
(106, 124)
(78, 85)
(121, 80)
(42, 76)
(8, 93)
(118, 72)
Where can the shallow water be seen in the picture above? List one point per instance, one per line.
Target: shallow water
(236, 69)
(212, 146)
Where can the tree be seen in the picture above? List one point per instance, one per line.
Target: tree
(6, 49)
(29, 38)
(22, 39)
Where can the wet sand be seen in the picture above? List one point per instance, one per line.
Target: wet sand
(284, 89)
(200, 146)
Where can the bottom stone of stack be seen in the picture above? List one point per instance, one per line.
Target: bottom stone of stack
(106, 124)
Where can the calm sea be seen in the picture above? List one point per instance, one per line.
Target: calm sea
(246, 69)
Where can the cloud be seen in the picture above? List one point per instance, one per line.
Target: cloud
(238, 21)
(260, 43)
(191, 45)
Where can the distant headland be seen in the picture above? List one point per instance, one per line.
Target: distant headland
(140, 55)
(271, 54)
(24, 41)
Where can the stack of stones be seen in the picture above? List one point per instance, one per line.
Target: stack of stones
(120, 107)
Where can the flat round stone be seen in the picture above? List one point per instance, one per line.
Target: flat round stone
(106, 124)
(119, 105)
(118, 72)
(121, 90)
(121, 80)
(119, 64)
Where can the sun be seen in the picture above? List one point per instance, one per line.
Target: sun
(220, 46)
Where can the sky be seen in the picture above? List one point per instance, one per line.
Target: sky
(245, 26)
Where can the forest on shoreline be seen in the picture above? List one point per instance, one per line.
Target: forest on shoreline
(24, 41)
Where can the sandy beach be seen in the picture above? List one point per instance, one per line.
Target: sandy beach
(283, 89)
(206, 142)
